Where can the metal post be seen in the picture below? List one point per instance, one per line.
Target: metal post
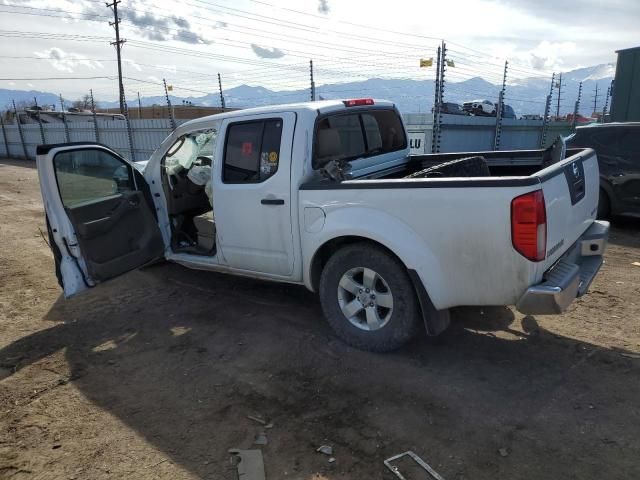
(559, 93)
(4, 135)
(547, 113)
(129, 132)
(595, 100)
(166, 94)
(443, 63)
(24, 145)
(96, 131)
(436, 101)
(500, 109)
(606, 104)
(39, 121)
(139, 107)
(313, 84)
(576, 108)
(64, 120)
(222, 102)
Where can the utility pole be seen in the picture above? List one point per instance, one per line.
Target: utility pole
(559, 92)
(166, 95)
(118, 44)
(313, 84)
(547, 112)
(576, 107)
(139, 107)
(222, 102)
(595, 100)
(499, 110)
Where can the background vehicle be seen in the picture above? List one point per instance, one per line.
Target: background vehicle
(618, 148)
(452, 108)
(508, 112)
(480, 107)
(326, 194)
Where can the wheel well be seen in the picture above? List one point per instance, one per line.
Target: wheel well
(323, 254)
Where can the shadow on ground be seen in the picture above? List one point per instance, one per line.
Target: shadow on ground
(183, 357)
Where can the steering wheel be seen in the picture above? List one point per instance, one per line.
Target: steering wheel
(176, 147)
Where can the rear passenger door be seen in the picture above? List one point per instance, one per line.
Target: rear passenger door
(627, 183)
(252, 194)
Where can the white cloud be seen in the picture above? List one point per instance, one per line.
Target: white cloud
(550, 55)
(67, 62)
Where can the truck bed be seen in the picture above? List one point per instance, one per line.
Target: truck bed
(461, 226)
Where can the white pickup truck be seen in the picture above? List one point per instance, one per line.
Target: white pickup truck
(326, 194)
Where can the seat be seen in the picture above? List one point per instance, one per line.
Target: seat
(329, 145)
(206, 228)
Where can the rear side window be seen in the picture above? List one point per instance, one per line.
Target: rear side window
(357, 135)
(252, 151)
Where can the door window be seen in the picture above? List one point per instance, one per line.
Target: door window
(252, 151)
(87, 175)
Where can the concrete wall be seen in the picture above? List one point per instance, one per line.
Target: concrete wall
(458, 134)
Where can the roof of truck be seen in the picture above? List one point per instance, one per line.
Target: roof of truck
(322, 106)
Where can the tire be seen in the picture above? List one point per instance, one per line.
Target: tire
(604, 205)
(462, 167)
(375, 327)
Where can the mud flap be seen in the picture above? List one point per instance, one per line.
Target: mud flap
(435, 321)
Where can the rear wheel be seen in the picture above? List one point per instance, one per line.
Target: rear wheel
(368, 299)
(604, 205)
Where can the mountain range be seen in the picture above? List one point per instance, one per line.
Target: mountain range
(525, 95)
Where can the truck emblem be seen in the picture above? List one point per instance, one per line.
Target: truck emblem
(576, 172)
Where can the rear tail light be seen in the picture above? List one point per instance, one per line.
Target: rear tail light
(358, 102)
(529, 225)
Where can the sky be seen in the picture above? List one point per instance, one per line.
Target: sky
(63, 46)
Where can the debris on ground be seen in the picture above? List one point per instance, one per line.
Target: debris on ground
(261, 439)
(258, 419)
(332, 459)
(503, 452)
(326, 449)
(432, 473)
(636, 264)
(250, 465)
(630, 355)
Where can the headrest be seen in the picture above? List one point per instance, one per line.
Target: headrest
(329, 144)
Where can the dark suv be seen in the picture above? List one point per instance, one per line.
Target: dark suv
(618, 149)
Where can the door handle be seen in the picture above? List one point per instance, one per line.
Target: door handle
(272, 201)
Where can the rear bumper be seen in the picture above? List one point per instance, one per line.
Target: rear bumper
(570, 277)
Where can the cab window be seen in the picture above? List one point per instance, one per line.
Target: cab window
(252, 151)
(349, 136)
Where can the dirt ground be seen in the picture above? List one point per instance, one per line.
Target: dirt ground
(152, 376)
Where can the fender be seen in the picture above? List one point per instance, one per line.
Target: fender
(385, 229)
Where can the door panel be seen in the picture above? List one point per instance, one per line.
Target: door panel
(116, 234)
(252, 196)
(102, 223)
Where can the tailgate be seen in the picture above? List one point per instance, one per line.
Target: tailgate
(571, 189)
